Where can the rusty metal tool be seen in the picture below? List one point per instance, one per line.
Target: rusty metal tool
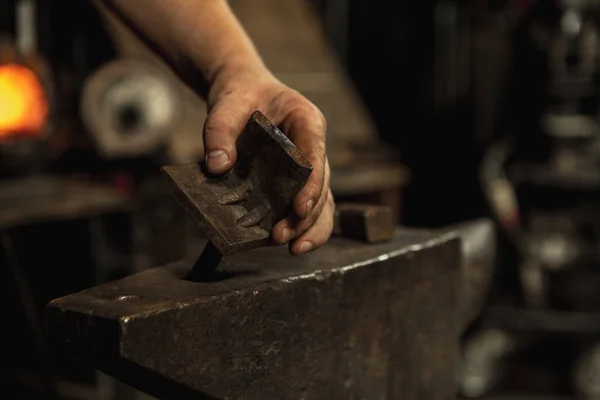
(237, 211)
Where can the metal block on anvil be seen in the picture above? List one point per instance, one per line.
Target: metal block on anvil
(237, 210)
(351, 320)
(367, 222)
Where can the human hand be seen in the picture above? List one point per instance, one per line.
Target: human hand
(232, 98)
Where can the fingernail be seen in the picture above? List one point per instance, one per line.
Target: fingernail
(217, 159)
(305, 247)
(288, 234)
(309, 206)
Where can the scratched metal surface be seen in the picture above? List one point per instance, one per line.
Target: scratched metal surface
(351, 320)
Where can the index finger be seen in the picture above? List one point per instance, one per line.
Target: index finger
(306, 127)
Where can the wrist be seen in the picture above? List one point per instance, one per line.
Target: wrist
(233, 75)
(236, 67)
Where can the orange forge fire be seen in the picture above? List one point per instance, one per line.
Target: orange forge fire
(23, 103)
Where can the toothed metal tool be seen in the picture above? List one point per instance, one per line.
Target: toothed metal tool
(237, 211)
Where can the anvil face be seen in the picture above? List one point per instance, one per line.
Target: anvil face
(237, 210)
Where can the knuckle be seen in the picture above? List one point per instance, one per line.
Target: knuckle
(321, 151)
(318, 119)
(313, 188)
(312, 113)
(329, 230)
(322, 120)
(316, 116)
(324, 236)
(314, 191)
(317, 155)
(330, 224)
(311, 219)
(308, 222)
(330, 200)
(320, 242)
(215, 125)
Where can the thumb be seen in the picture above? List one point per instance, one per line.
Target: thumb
(224, 123)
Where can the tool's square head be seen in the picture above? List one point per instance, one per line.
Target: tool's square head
(237, 211)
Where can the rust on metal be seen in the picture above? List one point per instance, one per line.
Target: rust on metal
(237, 211)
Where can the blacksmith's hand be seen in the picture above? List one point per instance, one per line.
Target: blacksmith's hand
(232, 98)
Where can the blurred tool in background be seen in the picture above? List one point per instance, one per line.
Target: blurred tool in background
(541, 176)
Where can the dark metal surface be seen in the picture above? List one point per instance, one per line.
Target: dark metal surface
(370, 223)
(237, 211)
(350, 320)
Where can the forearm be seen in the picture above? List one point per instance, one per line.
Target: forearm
(200, 39)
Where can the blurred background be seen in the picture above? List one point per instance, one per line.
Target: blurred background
(444, 110)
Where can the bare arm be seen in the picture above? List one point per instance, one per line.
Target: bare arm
(199, 38)
(204, 42)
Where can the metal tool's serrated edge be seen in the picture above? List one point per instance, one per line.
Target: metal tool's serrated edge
(186, 202)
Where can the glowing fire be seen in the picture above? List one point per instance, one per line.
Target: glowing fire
(23, 104)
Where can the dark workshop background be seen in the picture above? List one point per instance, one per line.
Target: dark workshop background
(443, 110)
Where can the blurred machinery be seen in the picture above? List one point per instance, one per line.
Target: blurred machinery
(541, 179)
(543, 185)
(129, 108)
(496, 111)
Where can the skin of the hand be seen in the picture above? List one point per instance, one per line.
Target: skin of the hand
(232, 98)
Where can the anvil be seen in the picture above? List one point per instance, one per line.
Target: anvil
(350, 320)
